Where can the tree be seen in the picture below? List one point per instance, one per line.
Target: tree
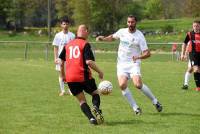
(154, 9)
(192, 8)
(81, 11)
(64, 8)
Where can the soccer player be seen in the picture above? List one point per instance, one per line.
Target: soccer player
(79, 59)
(192, 43)
(60, 40)
(132, 49)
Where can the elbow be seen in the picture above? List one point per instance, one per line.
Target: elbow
(88, 62)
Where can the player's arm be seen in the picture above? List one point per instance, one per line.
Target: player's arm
(90, 60)
(183, 48)
(56, 55)
(183, 52)
(93, 66)
(103, 38)
(145, 54)
(62, 66)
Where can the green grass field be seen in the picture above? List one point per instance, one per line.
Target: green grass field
(29, 101)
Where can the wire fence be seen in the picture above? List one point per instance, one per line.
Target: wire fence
(172, 48)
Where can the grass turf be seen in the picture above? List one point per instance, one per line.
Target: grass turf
(29, 101)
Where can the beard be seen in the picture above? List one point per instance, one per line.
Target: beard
(131, 28)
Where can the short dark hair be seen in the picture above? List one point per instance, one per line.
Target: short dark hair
(132, 16)
(64, 19)
(196, 21)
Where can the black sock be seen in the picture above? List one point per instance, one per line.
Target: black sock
(86, 110)
(96, 100)
(197, 78)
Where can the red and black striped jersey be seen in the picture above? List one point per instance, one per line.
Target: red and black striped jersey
(75, 54)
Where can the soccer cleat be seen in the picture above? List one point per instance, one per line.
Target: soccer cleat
(158, 107)
(138, 111)
(93, 121)
(197, 89)
(98, 114)
(185, 87)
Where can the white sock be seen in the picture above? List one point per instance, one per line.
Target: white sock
(187, 78)
(149, 94)
(127, 94)
(62, 87)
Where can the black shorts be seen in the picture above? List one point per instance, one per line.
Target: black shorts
(195, 59)
(88, 86)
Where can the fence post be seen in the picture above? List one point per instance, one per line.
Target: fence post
(47, 51)
(26, 51)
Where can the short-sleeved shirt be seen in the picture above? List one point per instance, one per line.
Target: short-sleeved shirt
(131, 44)
(61, 39)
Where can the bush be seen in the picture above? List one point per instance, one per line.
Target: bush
(167, 28)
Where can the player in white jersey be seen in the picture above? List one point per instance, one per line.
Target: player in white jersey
(132, 49)
(60, 40)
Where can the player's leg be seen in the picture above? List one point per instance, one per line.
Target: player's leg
(137, 81)
(61, 84)
(123, 84)
(195, 60)
(77, 91)
(146, 91)
(188, 74)
(197, 77)
(91, 88)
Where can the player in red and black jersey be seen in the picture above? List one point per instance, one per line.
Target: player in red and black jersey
(192, 43)
(79, 60)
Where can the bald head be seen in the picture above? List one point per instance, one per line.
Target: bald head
(82, 31)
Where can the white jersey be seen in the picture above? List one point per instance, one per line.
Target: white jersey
(61, 39)
(131, 44)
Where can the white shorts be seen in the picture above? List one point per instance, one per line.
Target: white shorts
(128, 69)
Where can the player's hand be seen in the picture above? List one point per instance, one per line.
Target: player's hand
(101, 75)
(183, 57)
(99, 38)
(135, 58)
(57, 61)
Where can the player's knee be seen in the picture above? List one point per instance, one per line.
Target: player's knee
(138, 85)
(123, 86)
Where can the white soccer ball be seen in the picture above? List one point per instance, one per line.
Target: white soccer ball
(105, 87)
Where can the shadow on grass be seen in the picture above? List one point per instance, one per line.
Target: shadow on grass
(127, 122)
(176, 114)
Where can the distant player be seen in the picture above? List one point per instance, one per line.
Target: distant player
(192, 43)
(132, 49)
(79, 62)
(60, 40)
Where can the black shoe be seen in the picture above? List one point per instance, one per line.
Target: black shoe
(93, 121)
(185, 87)
(138, 111)
(98, 114)
(158, 107)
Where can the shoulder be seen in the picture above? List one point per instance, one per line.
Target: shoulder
(70, 33)
(123, 30)
(139, 32)
(58, 34)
